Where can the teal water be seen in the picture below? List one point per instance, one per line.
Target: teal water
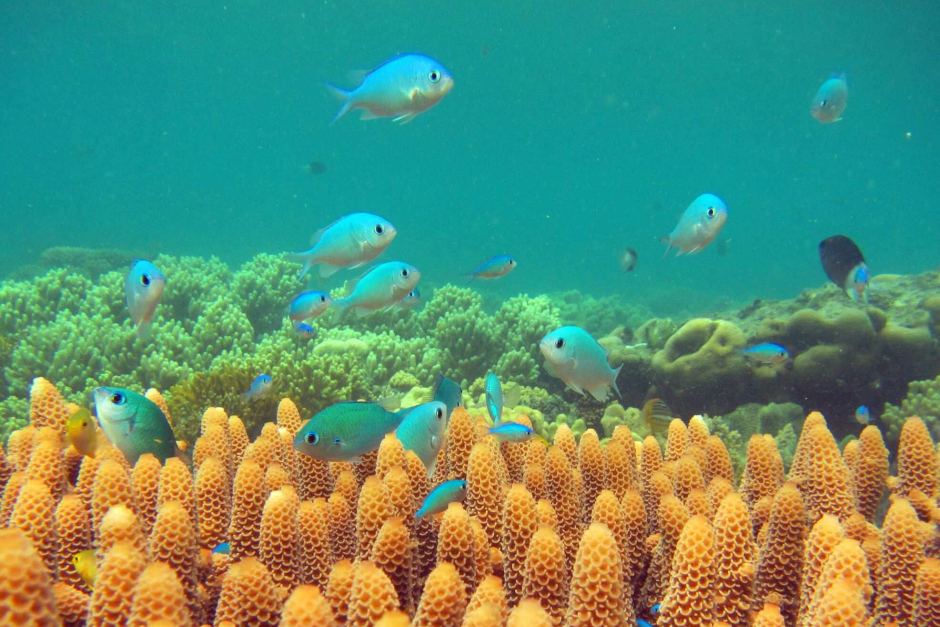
(574, 129)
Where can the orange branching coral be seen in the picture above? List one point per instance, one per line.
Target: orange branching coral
(391, 454)
(762, 472)
(769, 616)
(917, 460)
(213, 502)
(546, 515)
(846, 563)
(564, 498)
(489, 593)
(114, 587)
(158, 595)
(520, 522)
(248, 497)
(486, 615)
(374, 508)
(456, 544)
(823, 538)
(780, 563)
(288, 416)
(927, 593)
(593, 468)
(176, 484)
(688, 600)
(651, 460)
(277, 546)
(249, 596)
(120, 524)
(800, 459)
(173, 541)
(596, 593)
(46, 463)
(264, 449)
(10, 493)
(734, 555)
(276, 477)
(621, 467)
(514, 454)
(400, 494)
(342, 528)
(313, 529)
(313, 478)
(902, 551)
(564, 439)
(372, 594)
(393, 552)
(112, 487)
(718, 488)
(486, 559)
(485, 490)
(20, 447)
(673, 516)
(34, 514)
(607, 511)
(871, 471)
(84, 484)
(634, 552)
(717, 460)
(145, 481)
(306, 606)
(698, 431)
(460, 441)
(842, 604)
(534, 478)
(155, 397)
(73, 530)
(214, 442)
(26, 596)
(688, 477)
(825, 482)
(444, 599)
(239, 438)
(546, 578)
(46, 405)
(338, 588)
(677, 440)
(530, 614)
(71, 603)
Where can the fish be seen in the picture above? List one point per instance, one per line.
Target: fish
(422, 430)
(134, 424)
(351, 241)
(494, 268)
(308, 304)
(381, 287)
(494, 397)
(345, 431)
(401, 88)
(259, 387)
(863, 415)
(767, 353)
(830, 99)
(511, 432)
(574, 356)
(143, 288)
(448, 392)
(657, 415)
(699, 224)
(82, 432)
(411, 300)
(453, 491)
(640, 622)
(223, 548)
(306, 331)
(628, 259)
(844, 264)
(85, 565)
(316, 168)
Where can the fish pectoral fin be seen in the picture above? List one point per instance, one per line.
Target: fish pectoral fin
(405, 118)
(327, 270)
(550, 369)
(368, 115)
(575, 387)
(599, 392)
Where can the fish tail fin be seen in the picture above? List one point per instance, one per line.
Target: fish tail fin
(665, 240)
(305, 259)
(344, 96)
(613, 382)
(144, 328)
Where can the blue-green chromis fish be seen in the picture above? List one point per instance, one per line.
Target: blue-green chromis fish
(453, 491)
(259, 387)
(381, 287)
(134, 424)
(830, 100)
(699, 224)
(411, 300)
(143, 287)
(448, 392)
(401, 88)
(422, 430)
(304, 330)
(223, 548)
(345, 431)
(767, 353)
(494, 397)
(350, 242)
(308, 304)
(863, 415)
(495, 267)
(511, 432)
(574, 356)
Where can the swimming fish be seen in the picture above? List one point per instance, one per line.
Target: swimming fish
(134, 424)
(401, 88)
(640, 622)
(863, 415)
(260, 386)
(448, 392)
(453, 491)
(223, 548)
(494, 397)
(84, 564)
(345, 431)
(767, 353)
(511, 432)
(383, 286)
(830, 99)
(698, 226)
(845, 266)
(349, 242)
(657, 415)
(143, 287)
(82, 433)
(306, 331)
(628, 260)
(494, 267)
(422, 431)
(573, 356)
(308, 304)
(411, 300)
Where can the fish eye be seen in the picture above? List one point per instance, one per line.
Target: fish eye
(337, 441)
(404, 272)
(322, 298)
(559, 343)
(823, 103)
(311, 438)
(434, 76)
(711, 212)
(439, 413)
(145, 279)
(118, 399)
(379, 229)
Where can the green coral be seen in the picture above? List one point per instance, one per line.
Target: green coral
(264, 286)
(14, 414)
(923, 400)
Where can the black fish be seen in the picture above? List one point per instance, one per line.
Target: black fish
(844, 265)
(628, 260)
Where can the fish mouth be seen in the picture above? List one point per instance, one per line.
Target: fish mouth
(447, 83)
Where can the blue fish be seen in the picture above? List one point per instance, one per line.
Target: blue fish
(511, 432)
(350, 242)
(308, 304)
(642, 623)
(453, 491)
(422, 430)
(493, 268)
(222, 548)
(381, 287)
(306, 331)
(830, 100)
(401, 88)
(134, 424)
(494, 397)
(260, 386)
(574, 356)
(656, 608)
(143, 287)
(345, 431)
(863, 415)
(448, 392)
(767, 353)
(699, 224)
(411, 300)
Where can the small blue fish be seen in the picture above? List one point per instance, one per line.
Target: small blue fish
(345, 431)
(511, 432)
(306, 331)
(260, 386)
(308, 304)
(494, 397)
(643, 623)
(222, 548)
(411, 300)
(863, 415)
(830, 100)
(574, 356)
(448, 392)
(422, 430)
(767, 353)
(656, 608)
(493, 268)
(401, 88)
(381, 287)
(134, 424)
(350, 242)
(453, 491)
(143, 287)
(699, 225)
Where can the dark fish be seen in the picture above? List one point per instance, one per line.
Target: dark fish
(845, 266)
(657, 415)
(316, 168)
(628, 260)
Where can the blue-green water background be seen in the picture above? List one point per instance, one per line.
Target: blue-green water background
(574, 129)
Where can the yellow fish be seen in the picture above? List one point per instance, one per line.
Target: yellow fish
(85, 565)
(657, 416)
(81, 431)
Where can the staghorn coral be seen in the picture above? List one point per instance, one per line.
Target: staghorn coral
(26, 596)
(313, 532)
(519, 523)
(927, 593)
(278, 542)
(371, 596)
(249, 595)
(734, 555)
(825, 535)
(114, 587)
(306, 606)
(596, 593)
(901, 553)
(158, 596)
(444, 599)
(780, 563)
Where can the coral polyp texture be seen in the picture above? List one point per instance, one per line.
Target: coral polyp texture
(585, 531)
